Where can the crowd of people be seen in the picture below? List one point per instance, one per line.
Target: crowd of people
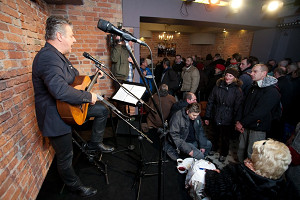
(244, 97)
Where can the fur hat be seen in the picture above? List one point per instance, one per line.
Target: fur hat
(220, 67)
(232, 71)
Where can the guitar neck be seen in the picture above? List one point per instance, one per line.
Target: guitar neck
(93, 81)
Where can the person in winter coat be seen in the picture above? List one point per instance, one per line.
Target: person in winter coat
(259, 178)
(190, 77)
(222, 107)
(187, 134)
(167, 100)
(219, 71)
(261, 107)
(170, 77)
(188, 98)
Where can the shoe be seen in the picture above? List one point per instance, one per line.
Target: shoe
(84, 191)
(211, 153)
(222, 158)
(100, 147)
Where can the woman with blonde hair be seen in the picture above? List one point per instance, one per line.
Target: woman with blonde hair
(257, 178)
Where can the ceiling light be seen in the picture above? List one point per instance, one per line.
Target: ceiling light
(214, 1)
(224, 31)
(236, 4)
(211, 2)
(165, 35)
(274, 5)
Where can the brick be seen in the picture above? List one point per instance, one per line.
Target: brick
(7, 64)
(3, 27)
(5, 116)
(9, 191)
(12, 164)
(6, 160)
(7, 104)
(12, 4)
(13, 37)
(15, 55)
(102, 5)
(5, 18)
(10, 123)
(1, 110)
(10, 11)
(8, 146)
(2, 56)
(14, 29)
(4, 175)
(17, 193)
(3, 85)
(7, 46)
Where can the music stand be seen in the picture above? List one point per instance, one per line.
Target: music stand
(129, 93)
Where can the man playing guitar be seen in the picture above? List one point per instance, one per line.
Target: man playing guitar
(52, 76)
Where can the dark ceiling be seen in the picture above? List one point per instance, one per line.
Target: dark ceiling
(195, 23)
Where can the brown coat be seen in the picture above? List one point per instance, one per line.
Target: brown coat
(153, 120)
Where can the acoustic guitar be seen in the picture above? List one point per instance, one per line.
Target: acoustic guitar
(76, 114)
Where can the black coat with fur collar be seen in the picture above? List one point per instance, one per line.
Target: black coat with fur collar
(224, 102)
(238, 182)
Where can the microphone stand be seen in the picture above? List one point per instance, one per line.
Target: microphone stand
(97, 63)
(113, 108)
(160, 163)
(121, 115)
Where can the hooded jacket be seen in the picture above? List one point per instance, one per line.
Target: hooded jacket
(224, 102)
(238, 182)
(260, 105)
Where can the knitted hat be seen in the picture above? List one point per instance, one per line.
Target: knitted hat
(220, 67)
(232, 71)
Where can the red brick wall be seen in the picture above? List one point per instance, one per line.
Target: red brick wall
(226, 44)
(25, 156)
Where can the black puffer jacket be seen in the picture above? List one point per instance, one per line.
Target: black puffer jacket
(238, 182)
(224, 102)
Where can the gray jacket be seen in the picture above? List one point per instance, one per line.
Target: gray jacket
(179, 130)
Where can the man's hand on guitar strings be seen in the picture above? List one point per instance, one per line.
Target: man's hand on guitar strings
(94, 98)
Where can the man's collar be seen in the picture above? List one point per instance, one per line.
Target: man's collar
(259, 83)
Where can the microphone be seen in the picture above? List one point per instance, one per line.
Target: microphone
(88, 56)
(110, 28)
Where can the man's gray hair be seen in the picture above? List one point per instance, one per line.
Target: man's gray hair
(55, 24)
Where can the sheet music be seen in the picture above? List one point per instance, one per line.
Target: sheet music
(125, 96)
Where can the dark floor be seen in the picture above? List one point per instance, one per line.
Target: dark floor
(123, 167)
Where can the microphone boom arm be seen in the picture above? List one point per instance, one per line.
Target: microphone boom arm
(87, 55)
(121, 115)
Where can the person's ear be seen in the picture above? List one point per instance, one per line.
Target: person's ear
(59, 36)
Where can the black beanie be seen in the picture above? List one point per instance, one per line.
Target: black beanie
(232, 71)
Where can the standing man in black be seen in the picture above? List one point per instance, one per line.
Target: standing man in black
(169, 77)
(52, 74)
